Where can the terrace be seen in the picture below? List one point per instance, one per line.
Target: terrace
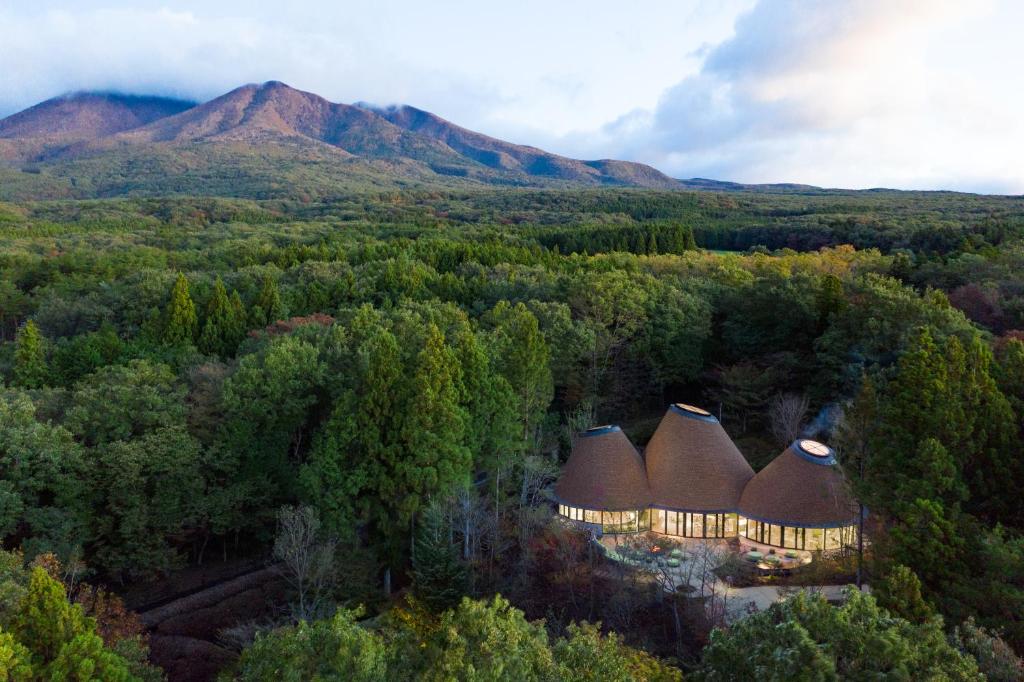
(704, 569)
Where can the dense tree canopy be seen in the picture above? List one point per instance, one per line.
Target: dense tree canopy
(174, 370)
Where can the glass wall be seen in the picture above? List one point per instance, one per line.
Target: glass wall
(632, 521)
(789, 537)
(693, 525)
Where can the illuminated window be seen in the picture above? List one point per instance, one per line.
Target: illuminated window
(833, 538)
(696, 525)
(789, 535)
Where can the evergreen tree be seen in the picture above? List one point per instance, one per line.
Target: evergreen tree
(239, 321)
(830, 299)
(993, 468)
(357, 447)
(60, 638)
(268, 307)
(900, 593)
(521, 355)
(439, 579)
(44, 620)
(1009, 373)
(806, 638)
(689, 240)
(15, 660)
(435, 459)
(180, 321)
(30, 368)
(218, 323)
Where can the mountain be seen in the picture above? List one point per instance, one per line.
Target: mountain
(58, 123)
(270, 139)
(515, 158)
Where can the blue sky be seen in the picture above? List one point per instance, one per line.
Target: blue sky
(864, 93)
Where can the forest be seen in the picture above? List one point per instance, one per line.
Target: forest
(374, 393)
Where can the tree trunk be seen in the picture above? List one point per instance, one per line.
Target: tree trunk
(860, 546)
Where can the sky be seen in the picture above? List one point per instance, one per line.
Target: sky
(914, 94)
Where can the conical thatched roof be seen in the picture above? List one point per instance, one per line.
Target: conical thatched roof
(604, 472)
(801, 487)
(693, 465)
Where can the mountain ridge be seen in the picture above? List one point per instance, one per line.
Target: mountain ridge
(77, 137)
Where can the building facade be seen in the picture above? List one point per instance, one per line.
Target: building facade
(692, 482)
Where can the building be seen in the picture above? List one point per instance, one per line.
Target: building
(604, 484)
(801, 500)
(696, 475)
(693, 482)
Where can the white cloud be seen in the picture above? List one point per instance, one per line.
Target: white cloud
(854, 94)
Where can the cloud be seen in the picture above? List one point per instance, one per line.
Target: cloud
(841, 94)
(201, 53)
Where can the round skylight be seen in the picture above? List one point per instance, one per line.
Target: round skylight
(692, 409)
(813, 447)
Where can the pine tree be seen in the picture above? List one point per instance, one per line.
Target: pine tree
(830, 300)
(224, 322)
(239, 320)
(268, 307)
(690, 240)
(30, 369)
(180, 321)
(521, 355)
(1009, 373)
(439, 579)
(44, 619)
(436, 459)
(993, 468)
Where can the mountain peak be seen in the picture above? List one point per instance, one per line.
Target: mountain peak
(274, 120)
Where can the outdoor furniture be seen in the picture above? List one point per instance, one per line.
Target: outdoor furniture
(672, 563)
(772, 560)
(754, 556)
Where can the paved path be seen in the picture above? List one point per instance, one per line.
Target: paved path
(696, 570)
(741, 601)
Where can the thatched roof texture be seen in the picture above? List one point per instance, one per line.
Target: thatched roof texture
(693, 465)
(604, 472)
(803, 487)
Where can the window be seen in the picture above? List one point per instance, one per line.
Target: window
(789, 537)
(833, 538)
(644, 522)
(696, 525)
(730, 526)
(711, 526)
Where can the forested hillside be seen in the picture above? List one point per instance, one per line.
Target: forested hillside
(396, 377)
